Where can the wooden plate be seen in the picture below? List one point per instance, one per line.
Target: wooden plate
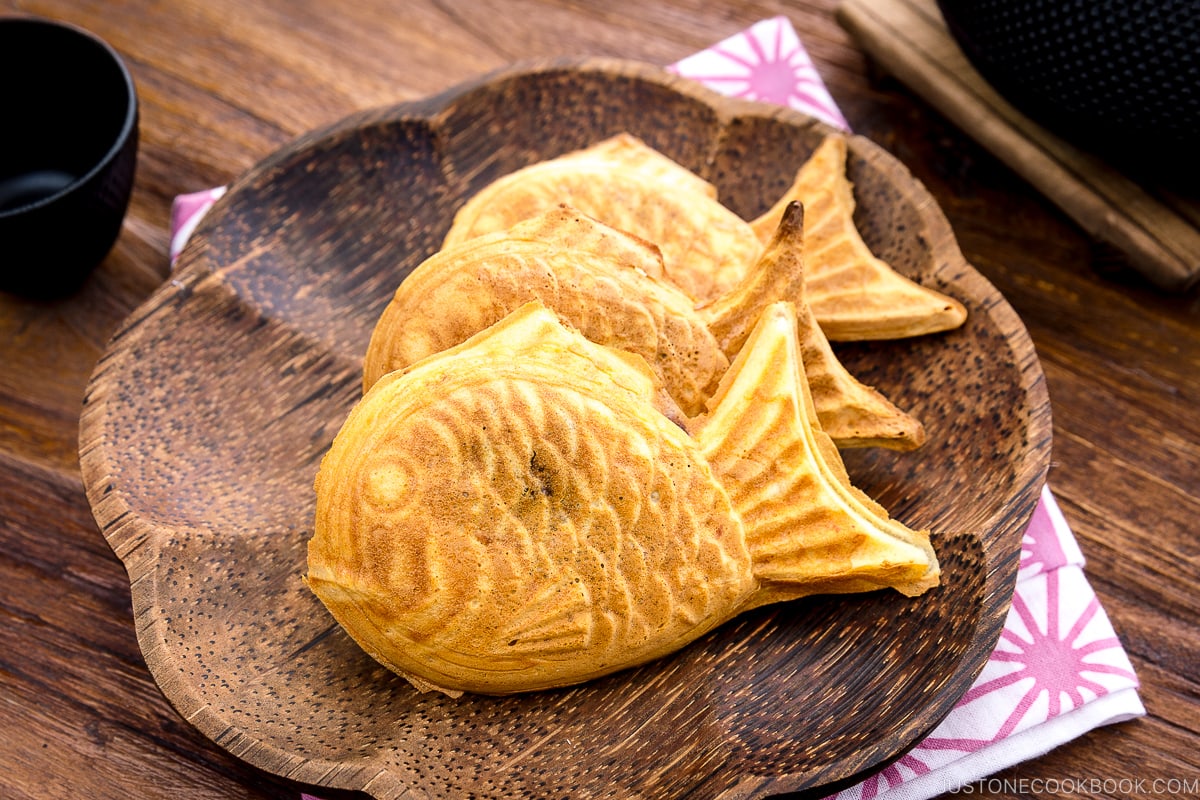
(205, 421)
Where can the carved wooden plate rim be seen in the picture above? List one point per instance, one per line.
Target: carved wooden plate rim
(143, 456)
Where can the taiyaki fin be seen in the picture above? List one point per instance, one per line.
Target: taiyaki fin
(807, 527)
(778, 275)
(854, 414)
(630, 186)
(599, 279)
(854, 294)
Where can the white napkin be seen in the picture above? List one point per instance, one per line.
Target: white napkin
(1059, 669)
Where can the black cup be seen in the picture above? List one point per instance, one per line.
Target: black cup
(68, 149)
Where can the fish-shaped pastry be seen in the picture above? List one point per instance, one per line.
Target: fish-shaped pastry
(707, 248)
(607, 284)
(855, 295)
(600, 279)
(632, 187)
(529, 509)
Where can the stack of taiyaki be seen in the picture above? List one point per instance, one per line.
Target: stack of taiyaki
(605, 417)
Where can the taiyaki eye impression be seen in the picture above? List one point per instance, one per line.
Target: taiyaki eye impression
(529, 509)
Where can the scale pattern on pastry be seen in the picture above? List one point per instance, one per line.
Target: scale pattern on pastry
(528, 509)
(603, 282)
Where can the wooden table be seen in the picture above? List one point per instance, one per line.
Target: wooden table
(223, 83)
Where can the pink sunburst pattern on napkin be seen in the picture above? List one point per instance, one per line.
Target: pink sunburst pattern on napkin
(1057, 652)
(764, 62)
(1057, 655)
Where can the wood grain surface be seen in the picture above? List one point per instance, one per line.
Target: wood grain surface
(223, 84)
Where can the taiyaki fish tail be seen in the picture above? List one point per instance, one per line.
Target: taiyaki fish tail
(854, 294)
(854, 414)
(522, 511)
(808, 529)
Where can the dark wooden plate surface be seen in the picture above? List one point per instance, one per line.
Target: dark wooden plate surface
(205, 420)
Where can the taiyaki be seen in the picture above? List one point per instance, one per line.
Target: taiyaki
(600, 279)
(632, 187)
(853, 294)
(707, 249)
(529, 510)
(603, 282)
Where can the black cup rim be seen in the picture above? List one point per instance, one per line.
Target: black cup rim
(128, 125)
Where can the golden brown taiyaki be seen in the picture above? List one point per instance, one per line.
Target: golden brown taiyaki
(599, 279)
(529, 510)
(632, 187)
(707, 248)
(853, 294)
(603, 282)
